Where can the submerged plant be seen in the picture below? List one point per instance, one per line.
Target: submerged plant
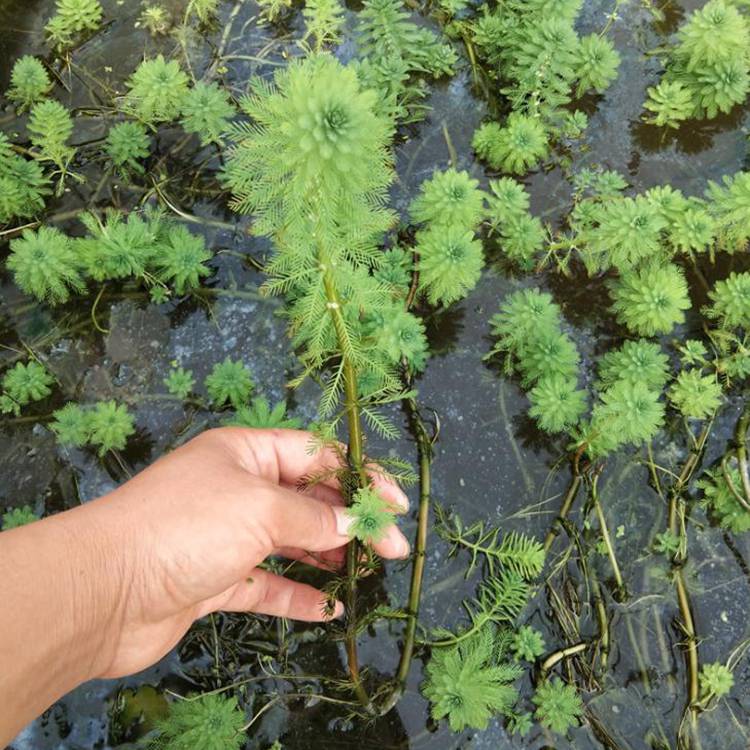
(229, 381)
(449, 198)
(638, 361)
(109, 426)
(670, 103)
(730, 301)
(209, 722)
(324, 20)
(516, 147)
(45, 264)
(29, 82)
(260, 415)
(730, 207)
(157, 90)
(556, 403)
(23, 384)
(16, 517)
(71, 426)
(716, 680)
(695, 395)
(370, 516)
(527, 643)
(205, 109)
(127, 143)
(720, 499)
(72, 19)
(23, 185)
(469, 682)
(181, 259)
(558, 705)
(652, 299)
(180, 382)
(50, 127)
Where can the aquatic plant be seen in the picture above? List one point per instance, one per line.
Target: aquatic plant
(23, 384)
(205, 109)
(720, 499)
(204, 10)
(527, 643)
(628, 412)
(730, 301)
(324, 20)
(157, 90)
(558, 705)
(210, 722)
(470, 682)
(72, 20)
(126, 144)
(638, 361)
(45, 264)
(71, 425)
(50, 127)
(260, 415)
(449, 198)
(29, 82)
(370, 516)
(156, 19)
(716, 680)
(730, 207)
(229, 381)
(395, 270)
(180, 382)
(651, 299)
(109, 426)
(695, 395)
(399, 335)
(596, 64)
(450, 262)
(515, 147)
(16, 517)
(692, 229)
(181, 258)
(556, 403)
(709, 67)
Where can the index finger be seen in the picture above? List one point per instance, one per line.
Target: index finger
(290, 456)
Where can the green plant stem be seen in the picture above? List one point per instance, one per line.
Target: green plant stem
(740, 438)
(356, 463)
(606, 538)
(570, 496)
(424, 449)
(676, 524)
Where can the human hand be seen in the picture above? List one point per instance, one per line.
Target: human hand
(192, 529)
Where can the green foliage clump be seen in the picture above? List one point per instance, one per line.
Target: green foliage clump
(695, 395)
(205, 109)
(708, 70)
(518, 146)
(671, 102)
(370, 516)
(721, 502)
(692, 229)
(638, 361)
(449, 198)
(23, 384)
(399, 335)
(71, 425)
(450, 262)
(50, 127)
(29, 82)
(527, 643)
(651, 299)
(730, 301)
(596, 64)
(157, 90)
(22, 184)
(395, 56)
(156, 19)
(45, 264)
(126, 144)
(180, 260)
(204, 10)
(716, 680)
(180, 382)
(521, 238)
(324, 20)
(260, 415)
(229, 381)
(208, 722)
(72, 19)
(470, 682)
(730, 207)
(16, 517)
(109, 426)
(556, 402)
(558, 705)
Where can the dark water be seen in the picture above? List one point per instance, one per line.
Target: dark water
(490, 462)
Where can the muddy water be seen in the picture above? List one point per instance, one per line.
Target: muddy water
(490, 463)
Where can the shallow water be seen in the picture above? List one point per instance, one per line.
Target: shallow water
(490, 462)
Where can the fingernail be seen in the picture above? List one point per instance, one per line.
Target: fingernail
(338, 611)
(404, 548)
(343, 520)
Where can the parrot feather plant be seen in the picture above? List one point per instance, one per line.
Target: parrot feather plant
(313, 166)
